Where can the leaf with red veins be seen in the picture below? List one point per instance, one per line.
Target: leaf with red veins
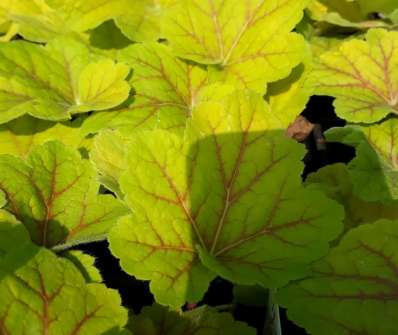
(226, 195)
(354, 290)
(362, 75)
(166, 88)
(49, 296)
(54, 193)
(249, 42)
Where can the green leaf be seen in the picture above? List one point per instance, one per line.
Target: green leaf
(108, 36)
(49, 296)
(374, 170)
(380, 6)
(354, 289)
(166, 88)
(249, 43)
(230, 189)
(54, 193)
(337, 183)
(43, 20)
(109, 156)
(142, 19)
(86, 264)
(158, 320)
(57, 80)
(19, 136)
(251, 295)
(362, 75)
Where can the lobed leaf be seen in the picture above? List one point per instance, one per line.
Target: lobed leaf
(44, 20)
(354, 289)
(158, 320)
(54, 193)
(49, 296)
(249, 43)
(227, 196)
(57, 80)
(362, 76)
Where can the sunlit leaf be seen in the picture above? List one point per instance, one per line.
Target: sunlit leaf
(362, 75)
(86, 265)
(57, 80)
(232, 191)
(249, 43)
(49, 296)
(43, 20)
(54, 193)
(354, 289)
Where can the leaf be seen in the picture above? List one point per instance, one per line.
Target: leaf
(374, 171)
(54, 193)
(336, 181)
(381, 6)
(362, 76)
(249, 43)
(49, 296)
(232, 192)
(108, 36)
(142, 19)
(354, 289)
(109, 156)
(57, 80)
(86, 265)
(43, 20)
(19, 136)
(158, 320)
(250, 295)
(166, 88)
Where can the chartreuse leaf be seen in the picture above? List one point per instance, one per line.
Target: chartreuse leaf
(374, 170)
(142, 19)
(54, 193)
(43, 20)
(337, 183)
(86, 264)
(166, 91)
(49, 296)
(354, 289)
(249, 43)
(231, 189)
(19, 136)
(109, 156)
(158, 320)
(362, 75)
(57, 80)
(380, 6)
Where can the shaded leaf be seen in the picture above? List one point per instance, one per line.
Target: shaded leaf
(354, 289)
(54, 193)
(57, 80)
(232, 191)
(158, 320)
(250, 43)
(49, 296)
(362, 75)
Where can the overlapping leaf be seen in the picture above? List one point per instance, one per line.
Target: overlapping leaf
(362, 75)
(49, 296)
(54, 193)
(354, 290)
(57, 80)
(158, 320)
(233, 193)
(19, 136)
(43, 20)
(374, 171)
(336, 182)
(249, 43)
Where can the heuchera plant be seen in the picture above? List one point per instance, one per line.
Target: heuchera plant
(160, 125)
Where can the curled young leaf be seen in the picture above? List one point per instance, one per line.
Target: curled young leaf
(227, 195)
